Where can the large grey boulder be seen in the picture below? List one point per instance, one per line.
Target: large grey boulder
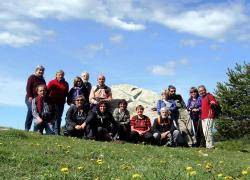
(135, 96)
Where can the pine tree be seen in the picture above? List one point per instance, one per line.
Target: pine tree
(234, 95)
(234, 98)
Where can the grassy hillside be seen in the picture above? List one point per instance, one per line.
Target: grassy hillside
(31, 156)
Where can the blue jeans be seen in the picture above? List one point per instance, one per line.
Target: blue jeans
(29, 117)
(57, 124)
(44, 125)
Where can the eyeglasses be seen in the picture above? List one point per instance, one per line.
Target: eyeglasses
(79, 100)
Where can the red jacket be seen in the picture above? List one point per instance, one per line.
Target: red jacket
(206, 111)
(58, 91)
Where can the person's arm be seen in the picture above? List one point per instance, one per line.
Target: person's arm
(69, 116)
(35, 113)
(155, 126)
(29, 88)
(92, 96)
(158, 106)
(109, 95)
(148, 124)
(50, 87)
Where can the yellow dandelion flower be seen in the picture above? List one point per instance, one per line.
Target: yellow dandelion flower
(99, 161)
(68, 147)
(136, 176)
(80, 167)
(209, 166)
(198, 164)
(65, 170)
(244, 172)
(220, 175)
(228, 178)
(192, 173)
(189, 168)
(221, 162)
(59, 145)
(67, 152)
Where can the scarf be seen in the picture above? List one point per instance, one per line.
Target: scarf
(39, 104)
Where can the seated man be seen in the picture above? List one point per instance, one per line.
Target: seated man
(164, 131)
(98, 93)
(44, 112)
(79, 120)
(122, 117)
(140, 127)
(106, 126)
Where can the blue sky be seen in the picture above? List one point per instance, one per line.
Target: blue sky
(150, 44)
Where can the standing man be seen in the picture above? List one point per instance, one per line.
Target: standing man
(101, 92)
(86, 85)
(207, 115)
(181, 118)
(33, 81)
(58, 91)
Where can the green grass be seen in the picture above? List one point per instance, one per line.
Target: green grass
(31, 156)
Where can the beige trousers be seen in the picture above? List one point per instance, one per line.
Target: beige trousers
(207, 125)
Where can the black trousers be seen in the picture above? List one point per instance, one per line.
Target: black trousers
(135, 137)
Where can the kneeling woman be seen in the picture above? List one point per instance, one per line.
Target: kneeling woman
(106, 126)
(164, 130)
(43, 111)
(140, 127)
(79, 120)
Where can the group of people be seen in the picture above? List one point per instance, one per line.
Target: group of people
(89, 115)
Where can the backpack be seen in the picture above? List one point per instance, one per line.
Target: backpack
(216, 108)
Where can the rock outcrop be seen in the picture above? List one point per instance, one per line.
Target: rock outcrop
(135, 96)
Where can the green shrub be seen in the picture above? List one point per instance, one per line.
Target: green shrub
(229, 128)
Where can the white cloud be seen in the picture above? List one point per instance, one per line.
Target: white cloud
(167, 69)
(18, 19)
(12, 91)
(117, 38)
(90, 50)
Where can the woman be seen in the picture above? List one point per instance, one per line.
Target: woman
(140, 127)
(79, 121)
(166, 102)
(75, 91)
(106, 126)
(58, 89)
(194, 109)
(122, 117)
(43, 111)
(33, 81)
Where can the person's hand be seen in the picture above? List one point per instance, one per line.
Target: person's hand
(83, 125)
(212, 102)
(77, 127)
(195, 110)
(39, 120)
(30, 99)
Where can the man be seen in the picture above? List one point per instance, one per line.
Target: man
(164, 130)
(86, 85)
(33, 81)
(101, 92)
(58, 91)
(181, 117)
(207, 115)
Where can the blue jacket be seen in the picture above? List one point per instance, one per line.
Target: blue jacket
(171, 105)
